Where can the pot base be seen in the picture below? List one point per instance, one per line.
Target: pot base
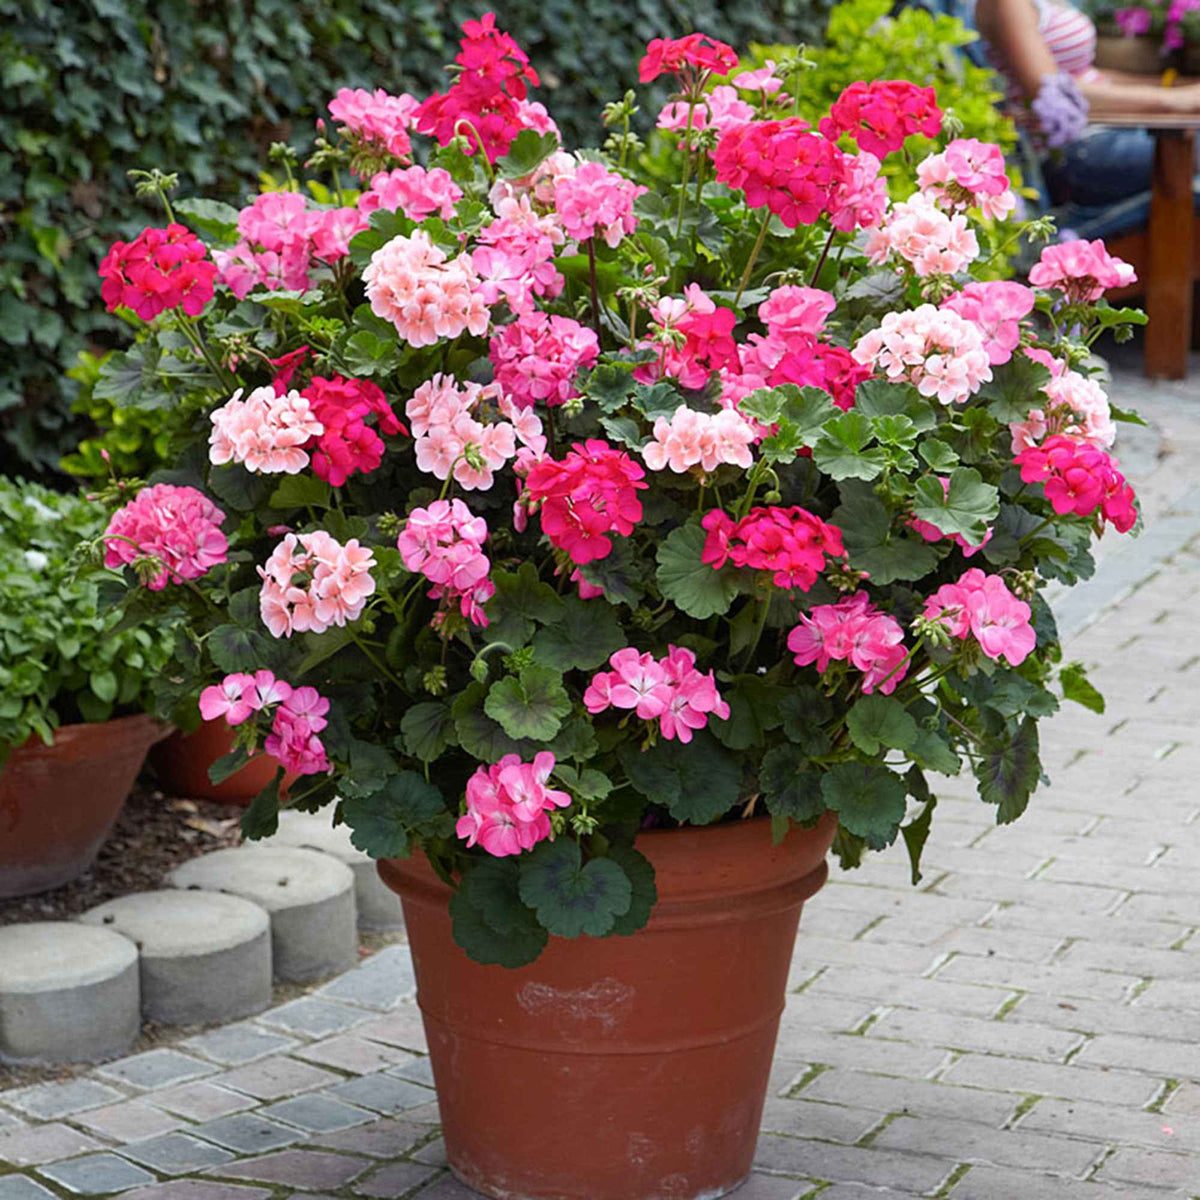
(483, 1188)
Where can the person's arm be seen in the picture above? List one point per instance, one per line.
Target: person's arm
(1011, 26)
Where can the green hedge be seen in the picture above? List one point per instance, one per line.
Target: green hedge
(91, 88)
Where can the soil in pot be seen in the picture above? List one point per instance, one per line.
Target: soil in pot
(622, 1068)
(181, 763)
(57, 803)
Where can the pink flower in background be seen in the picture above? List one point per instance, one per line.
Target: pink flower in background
(935, 349)
(330, 232)
(538, 356)
(791, 310)
(860, 200)
(983, 606)
(410, 283)
(377, 117)
(678, 56)
(882, 114)
(416, 192)
(507, 805)
(930, 241)
(160, 269)
(595, 201)
(690, 439)
(791, 543)
(763, 79)
(854, 631)
(996, 308)
(968, 174)
(312, 582)
(1083, 271)
(1133, 22)
(265, 432)
(719, 109)
(931, 533)
(178, 525)
(234, 698)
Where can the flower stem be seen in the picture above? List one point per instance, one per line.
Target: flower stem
(380, 667)
(687, 165)
(812, 283)
(758, 245)
(591, 247)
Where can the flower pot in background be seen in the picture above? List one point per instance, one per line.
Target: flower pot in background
(1137, 55)
(651, 1052)
(181, 763)
(57, 803)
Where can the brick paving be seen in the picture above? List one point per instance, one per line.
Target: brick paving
(1023, 1025)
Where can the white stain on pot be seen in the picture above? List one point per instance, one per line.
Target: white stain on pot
(606, 1001)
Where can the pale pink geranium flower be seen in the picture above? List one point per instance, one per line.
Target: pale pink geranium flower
(763, 79)
(334, 588)
(1075, 405)
(930, 241)
(968, 174)
(996, 308)
(720, 108)
(1083, 271)
(595, 201)
(265, 432)
(416, 192)
(377, 117)
(705, 440)
(234, 698)
(451, 439)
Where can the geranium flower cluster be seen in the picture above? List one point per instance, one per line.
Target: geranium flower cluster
(1083, 271)
(266, 431)
(444, 542)
(177, 526)
(860, 200)
(695, 53)
(1077, 406)
(930, 241)
(968, 174)
(696, 439)
(585, 497)
(596, 201)
(538, 356)
(160, 269)
(312, 582)
(670, 690)
(791, 543)
(451, 440)
(377, 118)
(693, 338)
(347, 444)
(508, 805)
(514, 254)
(782, 166)
(938, 351)
(996, 308)
(293, 740)
(411, 283)
(853, 630)
(982, 605)
(1080, 479)
(414, 191)
(881, 115)
(485, 102)
(718, 109)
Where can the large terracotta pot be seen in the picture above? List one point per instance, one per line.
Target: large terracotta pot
(57, 803)
(182, 761)
(623, 1068)
(1136, 55)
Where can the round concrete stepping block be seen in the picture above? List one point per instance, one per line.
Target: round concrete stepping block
(378, 906)
(309, 896)
(205, 956)
(68, 993)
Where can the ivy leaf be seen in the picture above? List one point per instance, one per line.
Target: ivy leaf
(517, 946)
(103, 685)
(877, 721)
(478, 735)
(1009, 771)
(916, 834)
(381, 823)
(584, 637)
(528, 150)
(529, 705)
(261, 818)
(640, 874)
(1014, 389)
(698, 782)
(427, 729)
(968, 507)
(571, 897)
(841, 451)
(868, 799)
(690, 584)
(871, 543)
(1076, 686)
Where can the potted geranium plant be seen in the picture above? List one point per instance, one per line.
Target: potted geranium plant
(74, 685)
(1148, 38)
(613, 545)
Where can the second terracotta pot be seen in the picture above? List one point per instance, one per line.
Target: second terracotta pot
(182, 761)
(621, 1068)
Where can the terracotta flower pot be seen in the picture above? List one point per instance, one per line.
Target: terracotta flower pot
(622, 1068)
(1137, 55)
(57, 803)
(182, 761)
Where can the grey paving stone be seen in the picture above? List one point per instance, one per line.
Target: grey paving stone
(130, 1121)
(235, 1045)
(381, 1093)
(177, 1154)
(21, 1187)
(96, 1175)
(1113, 1126)
(379, 983)
(356, 1055)
(432, 1153)
(1160, 1056)
(42, 1144)
(917, 1096)
(397, 1179)
(9, 1120)
(198, 1189)
(201, 1101)
(446, 1187)
(308, 1170)
(318, 1114)
(247, 1133)
(969, 1033)
(276, 1077)
(1045, 1079)
(157, 1069)
(1155, 1168)
(401, 1027)
(313, 1018)
(983, 1182)
(818, 1119)
(850, 1164)
(419, 1070)
(49, 1101)
(383, 1138)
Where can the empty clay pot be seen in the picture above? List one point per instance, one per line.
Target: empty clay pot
(620, 1068)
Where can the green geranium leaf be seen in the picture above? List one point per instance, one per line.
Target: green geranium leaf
(935, 753)
(228, 764)
(868, 799)
(698, 782)
(968, 507)
(841, 451)
(529, 149)
(610, 386)
(1076, 686)
(937, 454)
(234, 649)
(585, 635)
(879, 398)
(529, 705)
(517, 947)
(753, 712)
(877, 721)
(656, 400)
(873, 545)
(385, 225)
(790, 789)
(1008, 771)
(216, 220)
(619, 574)
(381, 823)
(895, 430)
(1015, 388)
(916, 834)
(575, 740)
(238, 488)
(690, 584)
(370, 767)
(1125, 415)
(427, 729)
(572, 897)
(521, 599)
(640, 874)
(261, 818)
(804, 712)
(587, 783)
(478, 735)
(624, 430)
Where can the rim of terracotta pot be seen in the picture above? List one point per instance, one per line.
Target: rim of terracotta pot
(65, 735)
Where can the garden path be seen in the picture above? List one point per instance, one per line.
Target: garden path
(1023, 1024)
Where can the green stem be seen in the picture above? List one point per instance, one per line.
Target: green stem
(812, 283)
(487, 166)
(380, 667)
(748, 658)
(758, 245)
(687, 165)
(193, 334)
(591, 249)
